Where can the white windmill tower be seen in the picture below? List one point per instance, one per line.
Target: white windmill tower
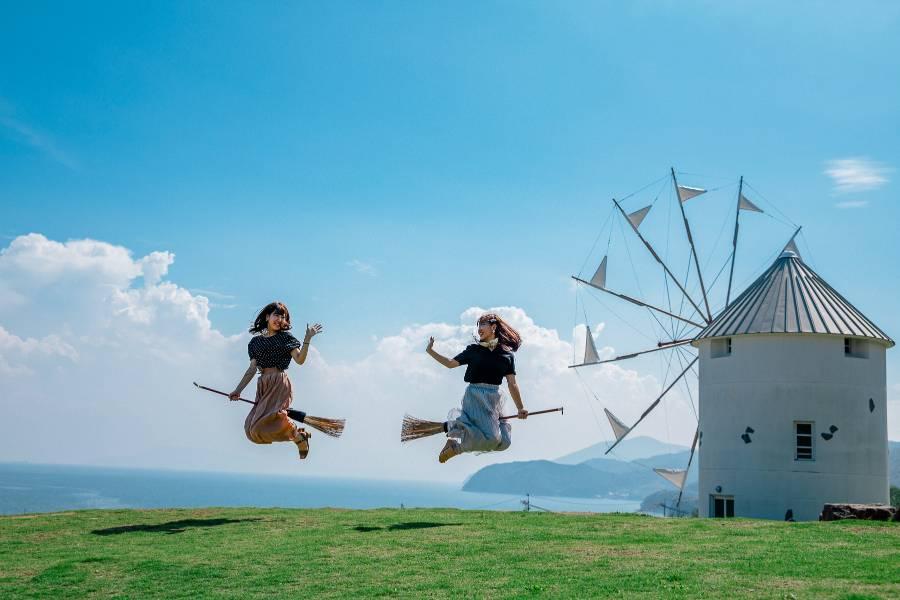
(777, 427)
(792, 400)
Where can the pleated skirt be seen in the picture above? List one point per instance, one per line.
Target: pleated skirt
(477, 426)
(268, 421)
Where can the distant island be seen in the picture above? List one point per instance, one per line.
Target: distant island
(628, 475)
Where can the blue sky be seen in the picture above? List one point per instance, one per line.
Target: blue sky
(295, 138)
(380, 164)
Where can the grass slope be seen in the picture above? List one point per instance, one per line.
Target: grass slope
(248, 553)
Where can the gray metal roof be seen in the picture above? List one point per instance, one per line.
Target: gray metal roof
(791, 298)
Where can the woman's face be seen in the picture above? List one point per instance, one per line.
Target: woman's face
(486, 331)
(275, 321)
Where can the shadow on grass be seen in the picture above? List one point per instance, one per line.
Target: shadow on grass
(405, 526)
(169, 527)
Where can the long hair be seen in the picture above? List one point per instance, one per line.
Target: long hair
(261, 323)
(509, 338)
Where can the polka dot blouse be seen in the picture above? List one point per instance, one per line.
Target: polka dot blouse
(273, 351)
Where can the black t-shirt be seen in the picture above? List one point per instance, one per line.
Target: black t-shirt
(486, 366)
(272, 351)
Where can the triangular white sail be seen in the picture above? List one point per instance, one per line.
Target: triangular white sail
(637, 217)
(675, 476)
(792, 247)
(599, 278)
(745, 204)
(590, 350)
(685, 193)
(619, 428)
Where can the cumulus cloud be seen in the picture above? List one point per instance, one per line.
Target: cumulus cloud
(856, 174)
(104, 341)
(18, 355)
(154, 266)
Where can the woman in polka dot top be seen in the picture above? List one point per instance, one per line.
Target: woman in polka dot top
(271, 351)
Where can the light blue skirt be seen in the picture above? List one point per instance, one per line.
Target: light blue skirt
(477, 427)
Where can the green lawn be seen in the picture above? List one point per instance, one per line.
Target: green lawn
(243, 553)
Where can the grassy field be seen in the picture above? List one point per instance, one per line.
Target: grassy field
(244, 553)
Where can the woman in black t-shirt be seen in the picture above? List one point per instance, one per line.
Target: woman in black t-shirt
(270, 353)
(478, 427)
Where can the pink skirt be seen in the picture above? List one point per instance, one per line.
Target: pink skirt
(268, 421)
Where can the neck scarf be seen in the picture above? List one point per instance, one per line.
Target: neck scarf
(491, 344)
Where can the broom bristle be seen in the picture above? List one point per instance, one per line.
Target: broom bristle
(332, 427)
(414, 428)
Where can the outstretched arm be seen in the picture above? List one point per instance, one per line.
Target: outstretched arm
(516, 395)
(447, 362)
(300, 353)
(248, 375)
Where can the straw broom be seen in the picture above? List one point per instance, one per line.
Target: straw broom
(414, 429)
(332, 427)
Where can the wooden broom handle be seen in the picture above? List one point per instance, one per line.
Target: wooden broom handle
(537, 412)
(209, 389)
(297, 415)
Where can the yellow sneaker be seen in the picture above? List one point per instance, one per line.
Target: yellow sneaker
(451, 449)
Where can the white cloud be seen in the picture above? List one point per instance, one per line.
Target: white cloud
(47, 260)
(852, 204)
(112, 347)
(217, 296)
(18, 355)
(363, 267)
(856, 174)
(154, 266)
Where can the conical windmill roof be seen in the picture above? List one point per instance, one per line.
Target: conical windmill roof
(791, 298)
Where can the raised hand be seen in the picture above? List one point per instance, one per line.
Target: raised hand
(430, 344)
(312, 331)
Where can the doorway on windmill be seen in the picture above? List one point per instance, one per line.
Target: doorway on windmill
(721, 506)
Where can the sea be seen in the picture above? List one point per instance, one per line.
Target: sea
(34, 488)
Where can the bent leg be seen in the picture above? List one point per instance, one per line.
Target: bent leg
(473, 438)
(276, 427)
(267, 421)
(505, 436)
(478, 427)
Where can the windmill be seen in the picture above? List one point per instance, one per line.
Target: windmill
(675, 324)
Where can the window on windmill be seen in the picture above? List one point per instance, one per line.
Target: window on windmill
(720, 347)
(804, 435)
(856, 348)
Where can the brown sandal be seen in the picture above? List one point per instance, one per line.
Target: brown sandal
(302, 441)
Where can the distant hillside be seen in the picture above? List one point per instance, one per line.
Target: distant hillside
(603, 477)
(651, 504)
(545, 478)
(599, 477)
(629, 449)
(894, 463)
